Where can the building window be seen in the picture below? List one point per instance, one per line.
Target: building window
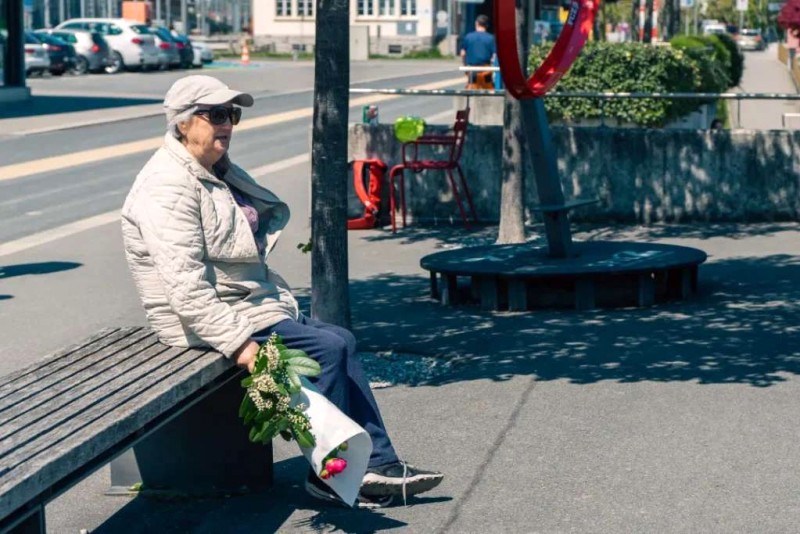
(408, 7)
(366, 8)
(283, 8)
(387, 8)
(305, 8)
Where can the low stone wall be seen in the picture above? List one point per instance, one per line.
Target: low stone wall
(639, 175)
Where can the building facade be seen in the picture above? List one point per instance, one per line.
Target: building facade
(395, 26)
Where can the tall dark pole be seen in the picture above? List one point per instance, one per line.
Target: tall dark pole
(330, 300)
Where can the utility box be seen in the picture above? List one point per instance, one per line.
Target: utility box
(359, 43)
(138, 11)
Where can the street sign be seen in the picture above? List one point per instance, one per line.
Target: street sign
(687, 4)
(741, 5)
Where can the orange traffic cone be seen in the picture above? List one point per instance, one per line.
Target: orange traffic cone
(245, 54)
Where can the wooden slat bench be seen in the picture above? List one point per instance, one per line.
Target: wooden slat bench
(67, 415)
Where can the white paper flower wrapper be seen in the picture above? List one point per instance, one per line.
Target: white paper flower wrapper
(331, 427)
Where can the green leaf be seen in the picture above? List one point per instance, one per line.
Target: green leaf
(285, 434)
(288, 354)
(304, 438)
(294, 380)
(304, 366)
(244, 406)
(247, 381)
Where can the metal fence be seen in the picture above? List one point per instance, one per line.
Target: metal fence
(605, 96)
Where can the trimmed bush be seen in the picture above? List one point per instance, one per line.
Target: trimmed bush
(737, 58)
(712, 48)
(631, 67)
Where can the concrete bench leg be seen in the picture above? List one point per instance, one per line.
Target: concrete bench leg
(203, 451)
(32, 524)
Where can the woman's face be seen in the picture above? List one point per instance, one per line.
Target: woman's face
(207, 141)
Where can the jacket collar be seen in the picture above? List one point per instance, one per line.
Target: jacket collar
(234, 175)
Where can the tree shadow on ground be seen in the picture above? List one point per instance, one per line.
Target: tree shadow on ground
(741, 328)
(49, 105)
(456, 235)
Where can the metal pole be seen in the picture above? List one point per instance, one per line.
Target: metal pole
(158, 12)
(61, 11)
(686, 17)
(110, 8)
(694, 27)
(47, 14)
(548, 183)
(184, 17)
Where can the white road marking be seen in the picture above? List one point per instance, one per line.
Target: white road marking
(67, 230)
(28, 168)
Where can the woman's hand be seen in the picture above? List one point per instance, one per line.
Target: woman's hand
(245, 356)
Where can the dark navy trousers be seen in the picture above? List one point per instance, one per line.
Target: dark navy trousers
(342, 379)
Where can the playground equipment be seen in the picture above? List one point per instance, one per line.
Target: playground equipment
(581, 275)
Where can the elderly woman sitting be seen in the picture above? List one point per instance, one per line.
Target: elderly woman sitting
(198, 231)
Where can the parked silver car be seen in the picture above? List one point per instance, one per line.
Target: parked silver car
(132, 44)
(169, 57)
(36, 58)
(94, 54)
(751, 39)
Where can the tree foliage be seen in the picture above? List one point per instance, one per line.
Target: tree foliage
(789, 17)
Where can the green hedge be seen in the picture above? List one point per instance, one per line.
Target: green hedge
(632, 67)
(737, 58)
(721, 49)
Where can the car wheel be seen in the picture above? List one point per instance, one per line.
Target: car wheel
(116, 64)
(81, 66)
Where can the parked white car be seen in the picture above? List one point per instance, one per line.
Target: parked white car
(132, 43)
(202, 53)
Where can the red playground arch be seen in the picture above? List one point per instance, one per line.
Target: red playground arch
(570, 41)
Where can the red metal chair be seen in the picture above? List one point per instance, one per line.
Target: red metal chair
(454, 142)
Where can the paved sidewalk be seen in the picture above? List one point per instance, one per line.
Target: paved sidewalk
(763, 73)
(677, 418)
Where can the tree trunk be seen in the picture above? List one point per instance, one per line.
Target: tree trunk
(330, 300)
(648, 22)
(512, 192)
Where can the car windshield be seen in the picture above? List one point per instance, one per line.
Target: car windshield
(141, 29)
(163, 34)
(30, 38)
(69, 37)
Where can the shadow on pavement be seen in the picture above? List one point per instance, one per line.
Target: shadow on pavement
(47, 267)
(741, 328)
(49, 105)
(456, 235)
(266, 511)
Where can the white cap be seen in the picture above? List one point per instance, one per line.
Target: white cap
(201, 90)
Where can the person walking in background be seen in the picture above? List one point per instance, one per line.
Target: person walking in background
(479, 49)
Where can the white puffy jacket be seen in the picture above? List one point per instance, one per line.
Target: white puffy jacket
(193, 256)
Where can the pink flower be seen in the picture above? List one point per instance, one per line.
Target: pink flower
(325, 474)
(336, 465)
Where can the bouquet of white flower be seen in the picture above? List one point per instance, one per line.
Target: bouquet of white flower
(279, 401)
(268, 406)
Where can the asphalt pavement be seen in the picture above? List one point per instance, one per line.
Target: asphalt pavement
(675, 418)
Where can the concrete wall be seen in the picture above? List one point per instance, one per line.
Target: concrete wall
(639, 175)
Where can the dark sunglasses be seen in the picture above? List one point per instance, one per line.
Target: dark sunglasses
(219, 115)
